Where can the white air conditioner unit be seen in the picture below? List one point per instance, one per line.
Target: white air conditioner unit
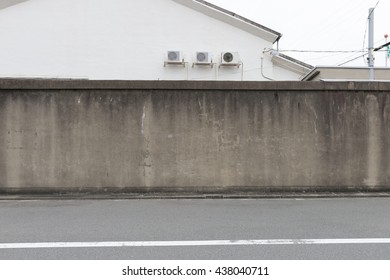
(203, 57)
(174, 56)
(230, 58)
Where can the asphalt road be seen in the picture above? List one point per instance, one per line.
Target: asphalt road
(86, 221)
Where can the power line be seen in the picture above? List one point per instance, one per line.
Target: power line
(323, 51)
(314, 51)
(374, 8)
(341, 64)
(364, 40)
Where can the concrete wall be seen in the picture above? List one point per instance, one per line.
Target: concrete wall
(205, 136)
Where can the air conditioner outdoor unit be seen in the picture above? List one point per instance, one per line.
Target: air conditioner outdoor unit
(230, 58)
(203, 57)
(174, 56)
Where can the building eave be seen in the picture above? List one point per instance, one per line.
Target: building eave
(290, 63)
(232, 18)
(7, 3)
(316, 71)
(311, 74)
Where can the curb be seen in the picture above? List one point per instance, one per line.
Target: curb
(175, 196)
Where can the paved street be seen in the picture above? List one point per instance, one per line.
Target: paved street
(357, 221)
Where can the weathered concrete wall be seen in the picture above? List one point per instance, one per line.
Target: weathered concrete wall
(206, 136)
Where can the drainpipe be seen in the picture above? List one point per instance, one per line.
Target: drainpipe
(262, 73)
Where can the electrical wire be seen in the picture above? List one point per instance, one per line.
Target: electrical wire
(374, 8)
(323, 51)
(269, 50)
(331, 52)
(364, 41)
(351, 19)
(341, 64)
(337, 16)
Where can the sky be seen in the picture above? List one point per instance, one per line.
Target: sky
(312, 25)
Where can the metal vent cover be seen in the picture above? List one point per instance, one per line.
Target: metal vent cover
(230, 58)
(173, 56)
(202, 57)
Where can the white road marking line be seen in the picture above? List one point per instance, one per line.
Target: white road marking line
(42, 245)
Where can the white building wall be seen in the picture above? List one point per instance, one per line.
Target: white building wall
(122, 39)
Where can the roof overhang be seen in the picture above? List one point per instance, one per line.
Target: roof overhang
(311, 75)
(333, 73)
(290, 63)
(233, 19)
(7, 3)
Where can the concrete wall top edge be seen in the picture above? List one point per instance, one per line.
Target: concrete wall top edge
(50, 84)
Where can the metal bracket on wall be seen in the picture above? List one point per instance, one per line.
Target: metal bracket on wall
(230, 65)
(211, 64)
(175, 63)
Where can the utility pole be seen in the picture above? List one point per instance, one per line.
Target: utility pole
(387, 53)
(371, 42)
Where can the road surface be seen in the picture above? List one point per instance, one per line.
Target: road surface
(292, 229)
